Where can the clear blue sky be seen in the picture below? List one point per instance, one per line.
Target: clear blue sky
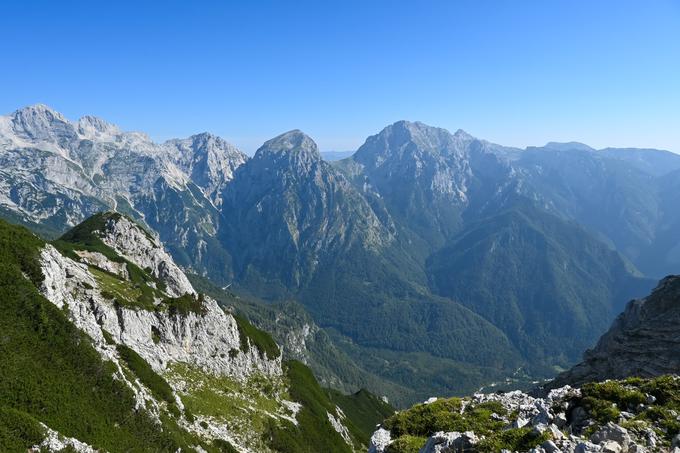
(514, 72)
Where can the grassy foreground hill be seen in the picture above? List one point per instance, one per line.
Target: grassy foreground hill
(65, 383)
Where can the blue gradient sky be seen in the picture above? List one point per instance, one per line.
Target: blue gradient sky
(517, 73)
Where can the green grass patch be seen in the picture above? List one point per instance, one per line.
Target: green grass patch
(364, 409)
(146, 374)
(185, 304)
(407, 444)
(118, 289)
(258, 338)
(242, 406)
(18, 430)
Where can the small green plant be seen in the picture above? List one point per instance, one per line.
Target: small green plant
(18, 430)
(407, 444)
(186, 304)
(155, 335)
(146, 374)
(258, 338)
(520, 439)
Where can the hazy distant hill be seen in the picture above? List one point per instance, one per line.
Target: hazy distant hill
(335, 155)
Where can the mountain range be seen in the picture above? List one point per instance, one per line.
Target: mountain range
(427, 262)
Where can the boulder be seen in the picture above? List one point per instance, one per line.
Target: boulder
(451, 442)
(611, 432)
(379, 441)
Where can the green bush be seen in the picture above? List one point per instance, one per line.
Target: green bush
(50, 371)
(258, 338)
(314, 433)
(407, 444)
(18, 430)
(146, 374)
(183, 305)
(521, 439)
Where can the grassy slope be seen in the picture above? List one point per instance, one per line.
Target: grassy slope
(364, 409)
(314, 431)
(50, 371)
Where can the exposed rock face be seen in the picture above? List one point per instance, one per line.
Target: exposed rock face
(133, 243)
(209, 161)
(161, 338)
(429, 174)
(643, 341)
(452, 442)
(421, 154)
(208, 339)
(56, 173)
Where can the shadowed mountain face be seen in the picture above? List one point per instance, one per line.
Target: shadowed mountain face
(546, 282)
(288, 212)
(423, 250)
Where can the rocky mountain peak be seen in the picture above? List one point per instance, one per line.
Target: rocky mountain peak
(291, 148)
(94, 127)
(568, 146)
(38, 110)
(196, 147)
(209, 160)
(462, 135)
(40, 122)
(128, 239)
(405, 140)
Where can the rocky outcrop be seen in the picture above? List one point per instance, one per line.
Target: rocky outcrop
(643, 341)
(138, 246)
(198, 338)
(56, 442)
(380, 440)
(452, 442)
(209, 161)
(562, 421)
(208, 339)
